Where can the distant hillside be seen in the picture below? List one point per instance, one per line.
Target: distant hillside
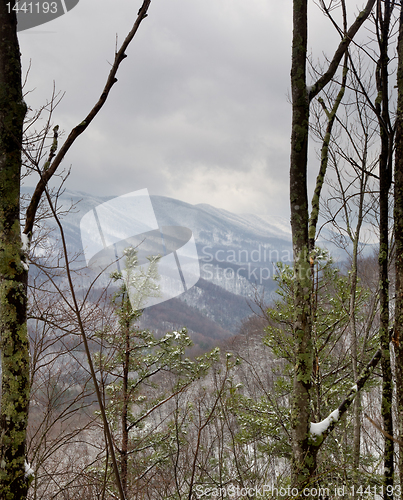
(237, 256)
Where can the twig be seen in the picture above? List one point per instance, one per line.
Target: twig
(81, 127)
(382, 431)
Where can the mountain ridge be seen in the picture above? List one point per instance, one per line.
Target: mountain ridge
(229, 246)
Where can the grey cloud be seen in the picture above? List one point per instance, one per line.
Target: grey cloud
(200, 109)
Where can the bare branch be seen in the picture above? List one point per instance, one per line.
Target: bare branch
(80, 128)
(340, 51)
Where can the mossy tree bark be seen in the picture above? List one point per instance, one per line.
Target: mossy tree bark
(398, 230)
(13, 272)
(304, 455)
(304, 463)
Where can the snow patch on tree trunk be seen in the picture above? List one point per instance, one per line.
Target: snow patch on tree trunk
(25, 242)
(28, 470)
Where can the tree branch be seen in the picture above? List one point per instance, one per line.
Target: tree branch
(348, 400)
(340, 51)
(80, 128)
(386, 434)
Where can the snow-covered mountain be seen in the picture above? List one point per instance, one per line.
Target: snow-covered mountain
(237, 256)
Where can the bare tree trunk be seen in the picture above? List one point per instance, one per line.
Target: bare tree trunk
(303, 466)
(398, 230)
(13, 274)
(124, 422)
(304, 454)
(353, 332)
(385, 177)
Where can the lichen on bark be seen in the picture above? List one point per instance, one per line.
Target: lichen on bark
(13, 275)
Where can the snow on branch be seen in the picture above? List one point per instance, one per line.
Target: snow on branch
(319, 431)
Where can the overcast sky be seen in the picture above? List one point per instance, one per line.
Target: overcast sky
(200, 112)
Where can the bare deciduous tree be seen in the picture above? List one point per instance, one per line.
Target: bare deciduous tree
(13, 268)
(304, 452)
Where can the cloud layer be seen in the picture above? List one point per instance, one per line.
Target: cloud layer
(200, 110)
